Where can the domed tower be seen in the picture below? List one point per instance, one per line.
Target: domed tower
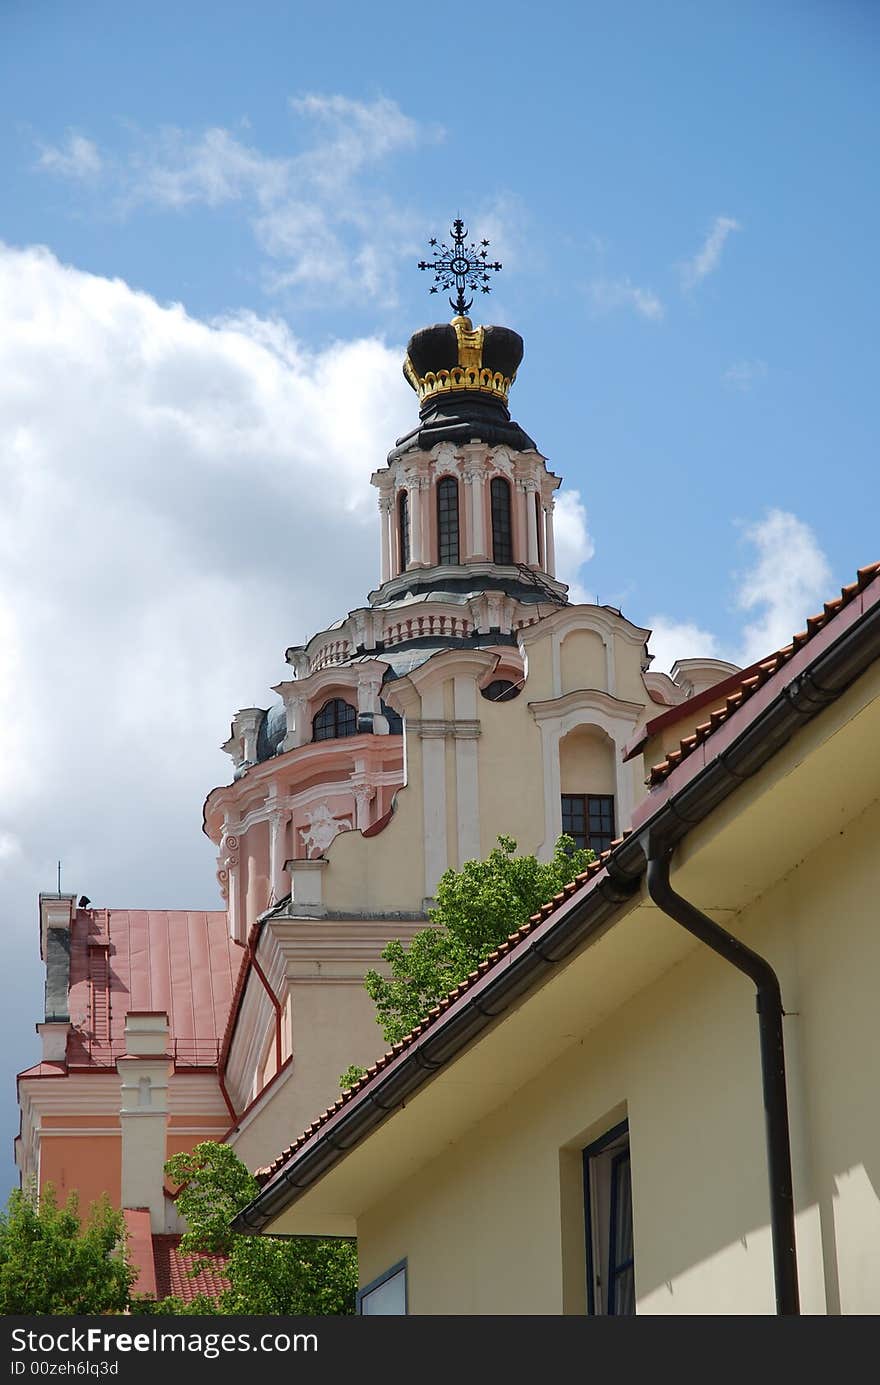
(466, 499)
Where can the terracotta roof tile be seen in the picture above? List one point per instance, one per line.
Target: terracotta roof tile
(172, 1271)
(756, 679)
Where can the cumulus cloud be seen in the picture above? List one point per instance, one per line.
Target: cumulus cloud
(607, 295)
(574, 545)
(786, 579)
(744, 375)
(75, 157)
(318, 214)
(679, 639)
(171, 491)
(708, 257)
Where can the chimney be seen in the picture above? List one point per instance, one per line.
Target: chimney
(143, 1115)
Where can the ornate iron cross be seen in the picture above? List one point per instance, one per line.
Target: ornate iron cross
(461, 268)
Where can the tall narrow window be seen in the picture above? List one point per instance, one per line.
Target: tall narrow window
(502, 536)
(589, 819)
(403, 529)
(447, 519)
(540, 528)
(611, 1287)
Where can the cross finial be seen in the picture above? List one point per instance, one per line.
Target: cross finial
(461, 268)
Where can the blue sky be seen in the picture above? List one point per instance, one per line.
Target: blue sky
(685, 201)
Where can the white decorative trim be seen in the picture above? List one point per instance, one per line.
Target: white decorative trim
(322, 828)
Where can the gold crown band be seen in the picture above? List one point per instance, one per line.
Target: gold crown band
(469, 374)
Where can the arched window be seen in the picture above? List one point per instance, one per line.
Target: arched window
(447, 520)
(403, 529)
(336, 718)
(502, 536)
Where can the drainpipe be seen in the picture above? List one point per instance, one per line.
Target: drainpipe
(276, 1003)
(770, 1012)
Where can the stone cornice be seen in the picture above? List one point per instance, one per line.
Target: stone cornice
(586, 700)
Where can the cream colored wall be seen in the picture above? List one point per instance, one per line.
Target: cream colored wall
(586, 762)
(385, 871)
(582, 661)
(511, 773)
(490, 1225)
(334, 1025)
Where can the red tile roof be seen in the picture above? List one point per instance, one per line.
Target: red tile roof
(759, 674)
(172, 1271)
(123, 960)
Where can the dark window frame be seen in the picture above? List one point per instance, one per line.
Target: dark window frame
(340, 725)
(598, 819)
(448, 522)
(383, 1279)
(616, 1267)
(404, 547)
(501, 504)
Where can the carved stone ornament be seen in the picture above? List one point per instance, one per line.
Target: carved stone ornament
(322, 828)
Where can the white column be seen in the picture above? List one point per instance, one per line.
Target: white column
(384, 539)
(550, 738)
(143, 1113)
(434, 792)
(625, 799)
(278, 853)
(531, 525)
(549, 540)
(414, 500)
(467, 774)
(363, 797)
(475, 478)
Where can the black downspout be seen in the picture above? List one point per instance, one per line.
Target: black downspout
(770, 1012)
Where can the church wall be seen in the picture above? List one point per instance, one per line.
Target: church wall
(511, 774)
(586, 762)
(583, 662)
(88, 1164)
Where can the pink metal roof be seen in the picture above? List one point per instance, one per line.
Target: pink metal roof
(149, 960)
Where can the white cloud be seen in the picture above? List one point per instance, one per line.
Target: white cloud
(607, 295)
(787, 579)
(171, 491)
(708, 257)
(679, 639)
(744, 375)
(319, 214)
(574, 545)
(76, 157)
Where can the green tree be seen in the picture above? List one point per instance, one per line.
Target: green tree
(477, 908)
(51, 1263)
(301, 1276)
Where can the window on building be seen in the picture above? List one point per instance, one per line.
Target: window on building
(611, 1288)
(501, 690)
(589, 819)
(540, 528)
(447, 520)
(502, 532)
(386, 1295)
(335, 719)
(403, 529)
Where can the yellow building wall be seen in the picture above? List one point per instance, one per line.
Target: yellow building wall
(582, 661)
(495, 1223)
